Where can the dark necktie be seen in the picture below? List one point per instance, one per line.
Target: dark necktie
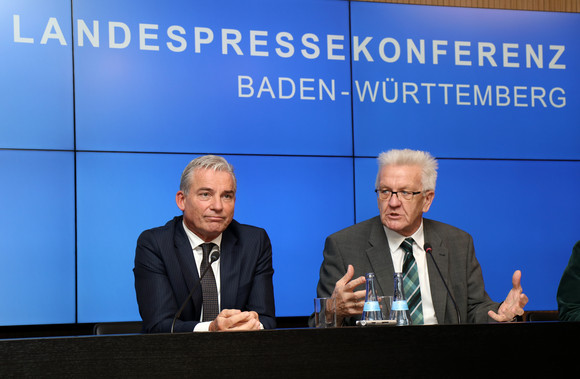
(208, 286)
(411, 283)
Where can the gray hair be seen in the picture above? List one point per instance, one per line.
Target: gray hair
(422, 159)
(207, 162)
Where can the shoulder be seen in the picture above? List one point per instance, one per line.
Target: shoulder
(168, 230)
(243, 231)
(439, 234)
(245, 228)
(361, 229)
(443, 228)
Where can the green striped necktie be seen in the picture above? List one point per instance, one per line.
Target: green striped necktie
(411, 283)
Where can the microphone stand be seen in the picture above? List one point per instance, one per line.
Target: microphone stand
(214, 256)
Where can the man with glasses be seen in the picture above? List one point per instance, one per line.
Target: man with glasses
(396, 241)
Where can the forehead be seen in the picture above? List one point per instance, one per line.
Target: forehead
(208, 178)
(400, 175)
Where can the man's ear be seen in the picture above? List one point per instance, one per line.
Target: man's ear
(180, 200)
(429, 196)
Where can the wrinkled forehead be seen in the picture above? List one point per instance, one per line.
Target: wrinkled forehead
(400, 176)
(210, 178)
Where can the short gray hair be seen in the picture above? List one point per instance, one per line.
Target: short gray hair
(422, 159)
(207, 162)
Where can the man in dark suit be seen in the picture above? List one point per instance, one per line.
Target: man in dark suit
(568, 295)
(405, 189)
(168, 260)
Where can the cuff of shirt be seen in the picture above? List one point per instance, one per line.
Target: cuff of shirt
(202, 326)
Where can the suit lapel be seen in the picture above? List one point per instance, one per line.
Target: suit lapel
(379, 256)
(441, 256)
(184, 254)
(229, 269)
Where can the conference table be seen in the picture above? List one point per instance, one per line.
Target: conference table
(532, 349)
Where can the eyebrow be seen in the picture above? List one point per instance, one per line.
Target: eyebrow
(208, 189)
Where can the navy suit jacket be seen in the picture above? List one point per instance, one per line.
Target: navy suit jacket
(165, 273)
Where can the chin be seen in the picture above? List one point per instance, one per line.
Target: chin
(394, 226)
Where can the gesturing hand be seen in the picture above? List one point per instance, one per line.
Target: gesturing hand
(514, 303)
(348, 302)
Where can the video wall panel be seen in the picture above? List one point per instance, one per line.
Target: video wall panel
(256, 77)
(37, 238)
(465, 83)
(36, 75)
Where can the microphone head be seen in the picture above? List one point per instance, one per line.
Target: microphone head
(214, 256)
(428, 248)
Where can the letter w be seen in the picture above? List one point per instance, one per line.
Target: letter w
(367, 87)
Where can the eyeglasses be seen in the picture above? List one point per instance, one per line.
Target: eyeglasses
(385, 194)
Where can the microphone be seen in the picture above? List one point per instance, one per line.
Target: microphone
(429, 251)
(214, 256)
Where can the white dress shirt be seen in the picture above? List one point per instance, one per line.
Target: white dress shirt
(398, 256)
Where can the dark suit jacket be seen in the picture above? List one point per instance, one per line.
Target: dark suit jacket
(165, 273)
(568, 295)
(365, 246)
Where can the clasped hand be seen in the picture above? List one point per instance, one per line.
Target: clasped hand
(234, 319)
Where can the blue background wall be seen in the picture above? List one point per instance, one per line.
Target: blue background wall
(103, 103)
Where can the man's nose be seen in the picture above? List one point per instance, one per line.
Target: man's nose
(394, 200)
(216, 203)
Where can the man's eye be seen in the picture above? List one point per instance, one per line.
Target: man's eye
(204, 194)
(405, 193)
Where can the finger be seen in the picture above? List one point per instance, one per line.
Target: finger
(243, 321)
(347, 277)
(249, 325)
(357, 300)
(251, 318)
(517, 279)
(229, 312)
(360, 294)
(230, 319)
(356, 307)
(254, 315)
(354, 283)
(496, 317)
(240, 318)
(523, 300)
(518, 308)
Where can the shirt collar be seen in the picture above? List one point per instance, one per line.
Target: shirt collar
(395, 239)
(195, 241)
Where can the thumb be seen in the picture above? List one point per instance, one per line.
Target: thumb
(347, 277)
(517, 279)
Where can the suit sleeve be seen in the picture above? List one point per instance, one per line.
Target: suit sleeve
(478, 301)
(261, 296)
(331, 270)
(568, 295)
(157, 303)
